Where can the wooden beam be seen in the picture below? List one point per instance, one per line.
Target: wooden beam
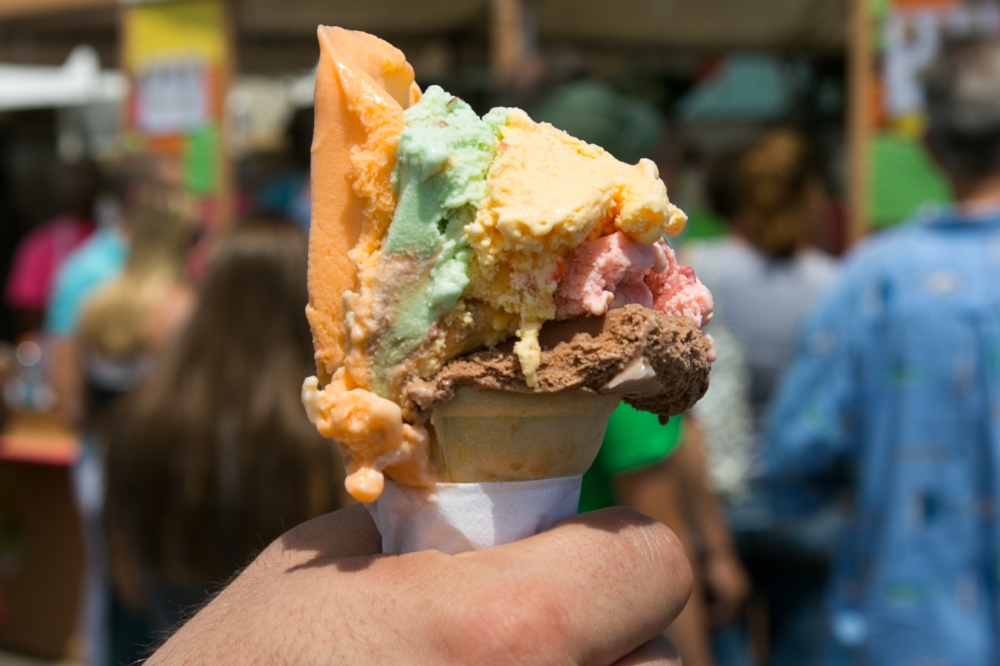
(26, 8)
(506, 38)
(513, 33)
(859, 121)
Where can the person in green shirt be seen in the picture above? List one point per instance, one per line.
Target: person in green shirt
(634, 440)
(659, 470)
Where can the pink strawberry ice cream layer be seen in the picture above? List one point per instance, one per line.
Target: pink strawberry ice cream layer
(614, 271)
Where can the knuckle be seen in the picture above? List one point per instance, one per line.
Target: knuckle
(650, 550)
(511, 623)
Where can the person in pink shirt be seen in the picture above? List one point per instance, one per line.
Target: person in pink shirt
(40, 254)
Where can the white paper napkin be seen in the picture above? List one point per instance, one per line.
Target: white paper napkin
(459, 517)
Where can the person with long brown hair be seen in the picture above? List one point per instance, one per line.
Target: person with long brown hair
(115, 307)
(213, 457)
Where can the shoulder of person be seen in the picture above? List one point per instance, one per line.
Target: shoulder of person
(884, 248)
(860, 279)
(818, 266)
(105, 250)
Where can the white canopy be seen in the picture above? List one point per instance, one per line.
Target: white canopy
(79, 81)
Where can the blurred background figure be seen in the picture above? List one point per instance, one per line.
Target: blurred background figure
(127, 321)
(894, 393)
(145, 231)
(725, 583)
(765, 277)
(114, 309)
(213, 457)
(74, 189)
(657, 470)
(287, 193)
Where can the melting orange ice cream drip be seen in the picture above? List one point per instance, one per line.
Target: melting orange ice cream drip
(362, 86)
(373, 434)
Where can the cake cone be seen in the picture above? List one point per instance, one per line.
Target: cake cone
(488, 436)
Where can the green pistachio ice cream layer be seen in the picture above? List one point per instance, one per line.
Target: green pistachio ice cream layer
(442, 161)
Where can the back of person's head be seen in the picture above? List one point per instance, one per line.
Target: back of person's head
(299, 133)
(161, 223)
(773, 180)
(215, 456)
(963, 106)
(720, 182)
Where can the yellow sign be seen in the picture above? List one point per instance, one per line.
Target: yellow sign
(177, 56)
(182, 29)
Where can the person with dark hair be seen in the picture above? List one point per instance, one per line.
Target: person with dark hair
(893, 396)
(765, 277)
(213, 456)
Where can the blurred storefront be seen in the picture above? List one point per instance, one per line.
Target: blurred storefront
(654, 48)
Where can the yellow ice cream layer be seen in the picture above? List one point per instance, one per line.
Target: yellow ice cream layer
(547, 193)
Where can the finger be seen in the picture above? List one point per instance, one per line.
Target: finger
(657, 652)
(350, 532)
(598, 585)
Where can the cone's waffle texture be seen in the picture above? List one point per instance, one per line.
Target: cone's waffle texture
(484, 435)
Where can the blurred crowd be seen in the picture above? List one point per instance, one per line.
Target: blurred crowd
(178, 355)
(834, 490)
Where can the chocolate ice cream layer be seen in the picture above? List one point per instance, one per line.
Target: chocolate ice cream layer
(656, 362)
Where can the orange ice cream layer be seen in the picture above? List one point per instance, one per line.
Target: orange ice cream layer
(362, 86)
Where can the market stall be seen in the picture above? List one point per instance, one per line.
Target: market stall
(194, 78)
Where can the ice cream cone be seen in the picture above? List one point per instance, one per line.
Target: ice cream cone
(416, 288)
(488, 436)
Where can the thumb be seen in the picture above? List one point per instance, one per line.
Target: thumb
(350, 532)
